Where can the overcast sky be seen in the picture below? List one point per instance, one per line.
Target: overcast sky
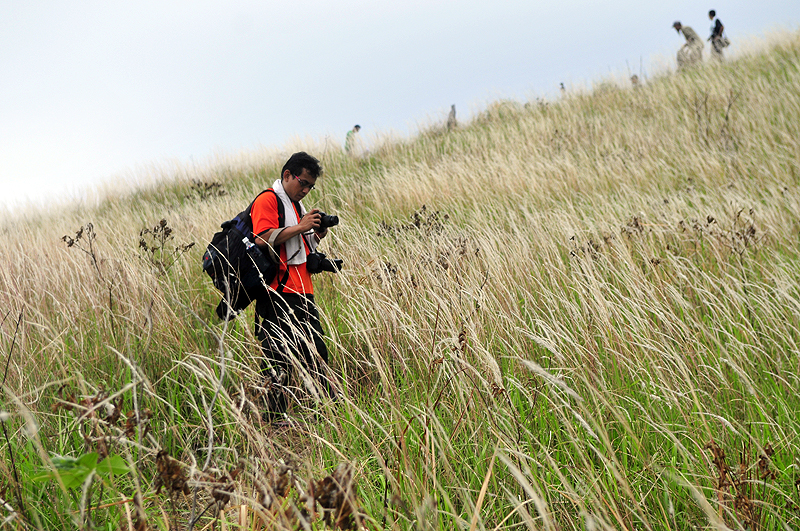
(95, 90)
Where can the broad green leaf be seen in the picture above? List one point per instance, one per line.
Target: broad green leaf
(75, 478)
(74, 471)
(112, 465)
(89, 460)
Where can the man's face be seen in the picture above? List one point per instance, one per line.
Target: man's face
(297, 187)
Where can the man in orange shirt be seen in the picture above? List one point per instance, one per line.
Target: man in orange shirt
(287, 321)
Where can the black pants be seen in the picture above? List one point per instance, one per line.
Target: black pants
(291, 337)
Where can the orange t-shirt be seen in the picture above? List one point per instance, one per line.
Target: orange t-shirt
(265, 217)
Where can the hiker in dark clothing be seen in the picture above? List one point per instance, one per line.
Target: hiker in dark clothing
(718, 42)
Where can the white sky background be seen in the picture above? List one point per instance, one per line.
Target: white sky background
(93, 90)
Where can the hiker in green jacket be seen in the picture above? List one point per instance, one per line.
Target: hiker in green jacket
(691, 52)
(351, 140)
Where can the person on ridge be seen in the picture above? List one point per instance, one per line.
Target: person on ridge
(691, 52)
(452, 123)
(718, 42)
(287, 320)
(351, 140)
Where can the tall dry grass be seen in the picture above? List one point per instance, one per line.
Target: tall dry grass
(580, 313)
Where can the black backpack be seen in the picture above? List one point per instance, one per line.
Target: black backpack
(238, 267)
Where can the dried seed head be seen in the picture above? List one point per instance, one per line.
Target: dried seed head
(170, 474)
(336, 495)
(224, 486)
(719, 461)
(765, 471)
(143, 421)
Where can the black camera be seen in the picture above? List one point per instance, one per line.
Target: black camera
(318, 262)
(326, 221)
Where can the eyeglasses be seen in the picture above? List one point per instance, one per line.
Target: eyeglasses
(303, 183)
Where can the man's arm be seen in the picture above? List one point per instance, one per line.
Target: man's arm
(718, 29)
(310, 221)
(691, 36)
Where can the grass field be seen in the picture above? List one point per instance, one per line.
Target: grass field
(574, 314)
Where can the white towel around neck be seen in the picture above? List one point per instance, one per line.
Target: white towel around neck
(295, 254)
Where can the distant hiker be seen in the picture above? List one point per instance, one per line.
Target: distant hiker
(350, 140)
(718, 41)
(691, 52)
(451, 118)
(287, 321)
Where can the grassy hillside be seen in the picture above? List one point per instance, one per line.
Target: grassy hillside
(580, 314)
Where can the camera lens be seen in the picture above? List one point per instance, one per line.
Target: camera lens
(327, 220)
(318, 262)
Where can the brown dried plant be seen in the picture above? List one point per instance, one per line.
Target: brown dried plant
(95, 415)
(336, 495)
(425, 222)
(84, 240)
(723, 470)
(171, 475)
(142, 420)
(222, 486)
(746, 505)
(207, 189)
(155, 244)
(739, 236)
(279, 481)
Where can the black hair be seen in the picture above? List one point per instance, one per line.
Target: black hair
(302, 161)
(712, 13)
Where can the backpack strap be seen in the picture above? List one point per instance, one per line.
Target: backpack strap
(245, 220)
(274, 236)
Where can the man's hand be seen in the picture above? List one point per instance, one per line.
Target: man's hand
(321, 233)
(310, 221)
